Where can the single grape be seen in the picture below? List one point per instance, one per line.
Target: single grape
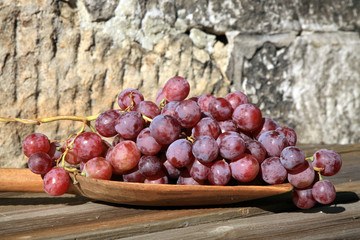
(149, 166)
(148, 108)
(205, 149)
(129, 97)
(124, 156)
(204, 101)
(159, 178)
(176, 89)
(273, 142)
(199, 171)
(220, 173)
(35, 142)
(105, 123)
(129, 125)
(268, 124)
(220, 109)
(231, 145)
(206, 127)
(165, 129)
(170, 170)
(147, 144)
(293, 159)
(40, 163)
(329, 160)
(88, 145)
(98, 168)
(170, 108)
(256, 149)
(55, 151)
(186, 179)
(247, 117)
(236, 98)
(133, 175)
(303, 178)
(272, 171)
(160, 97)
(56, 181)
(324, 192)
(179, 153)
(289, 133)
(188, 113)
(303, 198)
(245, 169)
(227, 125)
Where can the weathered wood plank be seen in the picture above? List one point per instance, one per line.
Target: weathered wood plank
(36, 215)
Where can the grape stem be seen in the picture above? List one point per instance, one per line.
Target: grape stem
(38, 121)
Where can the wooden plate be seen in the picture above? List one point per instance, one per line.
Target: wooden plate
(142, 194)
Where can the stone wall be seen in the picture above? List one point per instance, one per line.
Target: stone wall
(298, 60)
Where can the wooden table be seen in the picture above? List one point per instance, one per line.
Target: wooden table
(38, 216)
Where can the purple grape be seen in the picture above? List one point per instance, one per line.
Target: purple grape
(186, 179)
(124, 99)
(273, 142)
(147, 144)
(303, 198)
(220, 173)
(199, 171)
(179, 153)
(268, 124)
(149, 166)
(165, 129)
(205, 149)
(303, 178)
(129, 125)
(188, 113)
(272, 171)
(220, 109)
(40, 163)
(171, 171)
(329, 160)
(35, 142)
(231, 145)
(256, 149)
(245, 169)
(293, 159)
(133, 175)
(105, 123)
(324, 192)
(247, 117)
(206, 127)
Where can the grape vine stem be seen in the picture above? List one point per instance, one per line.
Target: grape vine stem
(38, 121)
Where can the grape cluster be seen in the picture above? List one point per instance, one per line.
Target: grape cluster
(179, 140)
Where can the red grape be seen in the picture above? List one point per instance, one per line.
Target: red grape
(35, 142)
(148, 108)
(176, 89)
(231, 145)
(124, 99)
(220, 173)
(88, 145)
(204, 101)
(133, 175)
(165, 129)
(293, 159)
(289, 133)
(199, 171)
(147, 144)
(272, 171)
(273, 142)
(40, 163)
(56, 181)
(248, 117)
(205, 149)
(179, 153)
(129, 125)
(329, 160)
(149, 165)
(124, 156)
(245, 169)
(186, 179)
(227, 125)
(170, 108)
(105, 123)
(188, 113)
(256, 149)
(220, 109)
(303, 198)
(236, 98)
(206, 127)
(98, 168)
(303, 178)
(171, 171)
(324, 192)
(268, 124)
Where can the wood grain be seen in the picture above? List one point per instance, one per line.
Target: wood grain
(38, 216)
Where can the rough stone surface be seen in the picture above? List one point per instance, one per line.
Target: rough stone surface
(298, 60)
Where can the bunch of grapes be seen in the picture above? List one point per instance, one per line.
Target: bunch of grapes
(179, 140)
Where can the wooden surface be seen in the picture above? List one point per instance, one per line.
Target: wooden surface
(38, 216)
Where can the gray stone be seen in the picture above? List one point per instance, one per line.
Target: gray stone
(101, 10)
